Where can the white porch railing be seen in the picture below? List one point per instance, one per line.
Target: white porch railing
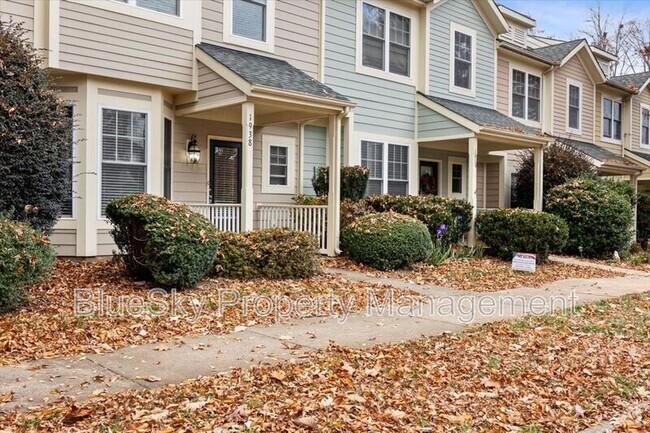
(225, 217)
(312, 219)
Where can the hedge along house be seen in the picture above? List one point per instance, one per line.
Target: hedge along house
(208, 103)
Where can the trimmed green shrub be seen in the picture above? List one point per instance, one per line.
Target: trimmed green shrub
(433, 211)
(599, 217)
(643, 219)
(271, 253)
(25, 257)
(507, 231)
(354, 180)
(386, 240)
(36, 137)
(162, 240)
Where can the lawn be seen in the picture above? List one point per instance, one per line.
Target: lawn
(559, 373)
(48, 327)
(484, 274)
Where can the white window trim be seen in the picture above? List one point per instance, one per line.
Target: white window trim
(641, 108)
(452, 160)
(453, 28)
(278, 141)
(384, 74)
(384, 161)
(73, 104)
(570, 82)
(526, 121)
(231, 38)
(130, 8)
(604, 139)
(100, 159)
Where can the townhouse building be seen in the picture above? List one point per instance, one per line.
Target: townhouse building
(230, 105)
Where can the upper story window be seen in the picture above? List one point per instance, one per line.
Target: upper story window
(645, 125)
(526, 95)
(389, 167)
(574, 106)
(612, 119)
(249, 23)
(170, 7)
(462, 59)
(386, 40)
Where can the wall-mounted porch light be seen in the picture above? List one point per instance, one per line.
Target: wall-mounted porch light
(193, 150)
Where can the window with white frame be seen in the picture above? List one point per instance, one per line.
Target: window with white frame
(124, 154)
(612, 119)
(170, 7)
(463, 58)
(388, 164)
(456, 178)
(574, 106)
(645, 125)
(526, 95)
(249, 19)
(278, 168)
(386, 40)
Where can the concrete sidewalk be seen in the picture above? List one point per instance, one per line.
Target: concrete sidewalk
(148, 366)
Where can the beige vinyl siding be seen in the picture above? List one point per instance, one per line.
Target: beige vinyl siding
(213, 87)
(19, 11)
(297, 35)
(110, 44)
(105, 244)
(64, 242)
(642, 98)
(573, 70)
(503, 86)
(492, 185)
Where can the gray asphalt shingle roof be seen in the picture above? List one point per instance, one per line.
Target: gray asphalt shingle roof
(484, 116)
(594, 151)
(269, 72)
(631, 81)
(557, 53)
(645, 156)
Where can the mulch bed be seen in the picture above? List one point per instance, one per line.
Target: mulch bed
(553, 373)
(478, 274)
(47, 325)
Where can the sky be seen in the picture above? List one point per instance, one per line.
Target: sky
(563, 18)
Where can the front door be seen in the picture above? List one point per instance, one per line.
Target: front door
(225, 172)
(429, 171)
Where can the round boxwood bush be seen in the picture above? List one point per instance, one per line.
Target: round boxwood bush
(599, 217)
(271, 253)
(386, 240)
(161, 240)
(25, 257)
(508, 231)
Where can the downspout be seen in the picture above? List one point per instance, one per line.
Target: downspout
(337, 139)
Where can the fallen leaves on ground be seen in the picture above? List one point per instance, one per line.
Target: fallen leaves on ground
(552, 373)
(637, 421)
(47, 325)
(477, 274)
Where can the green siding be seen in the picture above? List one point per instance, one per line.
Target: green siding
(432, 124)
(314, 154)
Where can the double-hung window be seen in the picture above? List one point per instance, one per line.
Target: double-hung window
(278, 165)
(645, 126)
(612, 119)
(574, 103)
(124, 154)
(526, 95)
(462, 59)
(249, 19)
(389, 167)
(170, 7)
(386, 40)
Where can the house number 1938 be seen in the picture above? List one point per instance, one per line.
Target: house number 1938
(249, 139)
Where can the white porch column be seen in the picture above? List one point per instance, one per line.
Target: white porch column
(538, 198)
(352, 154)
(248, 134)
(334, 195)
(472, 171)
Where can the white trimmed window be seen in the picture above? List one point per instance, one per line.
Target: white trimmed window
(457, 177)
(124, 154)
(574, 106)
(612, 119)
(249, 23)
(169, 7)
(526, 95)
(278, 168)
(386, 40)
(462, 59)
(389, 167)
(645, 126)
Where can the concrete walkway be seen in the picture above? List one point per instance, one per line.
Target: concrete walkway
(44, 381)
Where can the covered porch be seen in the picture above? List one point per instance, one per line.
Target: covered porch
(246, 143)
(465, 149)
